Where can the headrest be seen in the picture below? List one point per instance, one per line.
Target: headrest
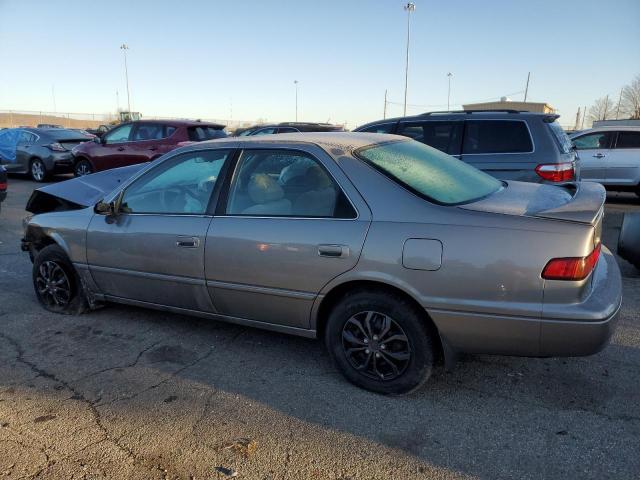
(263, 189)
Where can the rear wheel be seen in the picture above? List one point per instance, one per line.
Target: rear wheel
(56, 282)
(83, 167)
(37, 170)
(380, 342)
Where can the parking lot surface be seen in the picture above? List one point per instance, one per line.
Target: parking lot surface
(124, 392)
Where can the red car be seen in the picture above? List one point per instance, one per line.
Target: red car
(140, 141)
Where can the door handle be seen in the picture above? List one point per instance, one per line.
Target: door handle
(335, 251)
(120, 149)
(599, 155)
(153, 148)
(188, 242)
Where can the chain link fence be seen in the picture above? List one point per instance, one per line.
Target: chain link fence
(32, 118)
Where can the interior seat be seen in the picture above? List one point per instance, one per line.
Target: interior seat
(267, 196)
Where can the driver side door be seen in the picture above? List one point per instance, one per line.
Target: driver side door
(152, 251)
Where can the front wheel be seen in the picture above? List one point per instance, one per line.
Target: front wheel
(380, 342)
(56, 282)
(38, 170)
(83, 167)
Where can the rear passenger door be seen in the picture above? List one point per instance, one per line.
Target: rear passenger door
(593, 152)
(623, 162)
(445, 136)
(150, 140)
(501, 148)
(291, 222)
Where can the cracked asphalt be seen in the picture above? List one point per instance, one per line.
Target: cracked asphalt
(126, 393)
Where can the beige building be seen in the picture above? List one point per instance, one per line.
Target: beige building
(508, 104)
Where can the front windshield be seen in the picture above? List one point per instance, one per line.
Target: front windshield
(429, 173)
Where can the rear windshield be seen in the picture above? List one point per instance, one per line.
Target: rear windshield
(429, 173)
(563, 140)
(198, 134)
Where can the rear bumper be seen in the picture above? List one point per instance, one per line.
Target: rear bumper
(61, 162)
(563, 330)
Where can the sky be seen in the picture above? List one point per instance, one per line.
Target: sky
(238, 60)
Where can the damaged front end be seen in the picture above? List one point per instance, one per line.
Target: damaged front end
(81, 192)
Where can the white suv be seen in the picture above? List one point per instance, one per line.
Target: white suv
(611, 156)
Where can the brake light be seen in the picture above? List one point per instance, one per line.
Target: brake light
(3, 185)
(573, 268)
(56, 147)
(556, 172)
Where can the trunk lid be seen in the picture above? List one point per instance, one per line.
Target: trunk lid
(580, 202)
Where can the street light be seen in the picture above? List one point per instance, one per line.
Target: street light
(449, 91)
(124, 49)
(409, 7)
(296, 83)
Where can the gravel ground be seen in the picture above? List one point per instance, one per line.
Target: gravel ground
(128, 393)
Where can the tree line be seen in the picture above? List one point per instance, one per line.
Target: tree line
(627, 106)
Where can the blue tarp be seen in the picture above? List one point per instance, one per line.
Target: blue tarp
(8, 142)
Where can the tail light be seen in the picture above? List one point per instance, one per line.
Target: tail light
(572, 268)
(3, 185)
(557, 172)
(56, 147)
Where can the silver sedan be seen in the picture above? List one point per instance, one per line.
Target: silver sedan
(394, 253)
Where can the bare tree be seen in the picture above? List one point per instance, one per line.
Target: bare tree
(630, 103)
(602, 109)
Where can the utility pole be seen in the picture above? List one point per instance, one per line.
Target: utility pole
(53, 95)
(409, 7)
(296, 83)
(619, 100)
(449, 92)
(117, 101)
(526, 89)
(124, 49)
(384, 112)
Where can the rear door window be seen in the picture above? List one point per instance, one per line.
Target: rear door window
(201, 133)
(593, 141)
(148, 131)
(628, 140)
(288, 130)
(444, 136)
(496, 136)
(380, 128)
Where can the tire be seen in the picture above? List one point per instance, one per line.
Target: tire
(413, 359)
(38, 170)
(56, 282)
(82, 167)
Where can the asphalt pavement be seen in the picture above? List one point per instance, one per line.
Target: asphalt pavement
(127, 393)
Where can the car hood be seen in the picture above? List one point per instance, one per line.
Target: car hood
(580, 202)
(79, 192)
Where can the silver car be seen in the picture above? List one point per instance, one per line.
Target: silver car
(395, 253)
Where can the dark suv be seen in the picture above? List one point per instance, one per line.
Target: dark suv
(287, 127)
(508, 144)
(140, 141)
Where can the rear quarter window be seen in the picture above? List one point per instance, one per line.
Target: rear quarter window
(561, 137)
(201, 133)
(496, 136)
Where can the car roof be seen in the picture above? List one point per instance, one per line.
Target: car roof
(617, 128)
(179, 123)
(335, 143)
(466, 114)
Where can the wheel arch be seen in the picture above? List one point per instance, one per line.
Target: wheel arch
(323, 308)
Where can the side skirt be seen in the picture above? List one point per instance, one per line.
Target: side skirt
(301, 332)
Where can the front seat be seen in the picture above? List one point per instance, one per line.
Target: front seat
(267, 196)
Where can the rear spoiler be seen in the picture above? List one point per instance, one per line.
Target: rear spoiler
(585, 207)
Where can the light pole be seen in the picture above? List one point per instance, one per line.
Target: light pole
(409, 7)
(296, 84)
(124, 49)
(449, 92)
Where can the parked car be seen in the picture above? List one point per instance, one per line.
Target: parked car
(40, 152)
(49, 125)
(610, 156)
(287, 127)
(139, 142)
(393, 252)
(83, 132)
(508, 144)
(3, 185)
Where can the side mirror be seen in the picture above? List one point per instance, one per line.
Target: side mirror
(110, 209)
(97, 139)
